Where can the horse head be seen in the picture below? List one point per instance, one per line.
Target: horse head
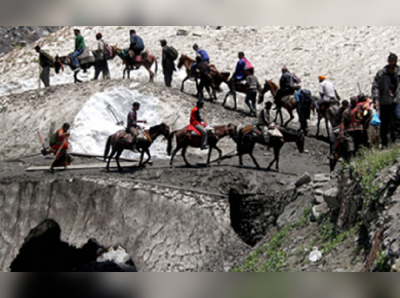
(58, 64)
(232, 130)
(114, 50)
(268, 86)
(181, 61)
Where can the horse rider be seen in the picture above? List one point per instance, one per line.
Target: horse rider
(136, 43)
(327, 91)
(204, 58)
(79, 48)
(251, 96)
(46, 61)
(242, 70)
(264, 120)
(101, 60)
(132, 124)
(386, 93)
(197, 121)
(59, 146)
(285, 86)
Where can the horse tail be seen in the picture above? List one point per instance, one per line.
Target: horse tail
(169, 147)
(107, 149)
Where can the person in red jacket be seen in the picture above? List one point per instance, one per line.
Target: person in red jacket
(197, 121)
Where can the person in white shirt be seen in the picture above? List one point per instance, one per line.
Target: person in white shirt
(327, 91)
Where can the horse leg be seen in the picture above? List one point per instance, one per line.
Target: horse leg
(226, 97)
(148, 156)
(327, 128)
(109, 159)
(254, 159)
(171, 163)
(291, 118)
(318, 123)
(281, 114)
(117, 160)
(220, 154)
(235, 100)
(183, 83)
(184, 157)
(209, 156)
(277, 154)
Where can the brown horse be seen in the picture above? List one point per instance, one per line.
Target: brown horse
(184, 139)
(251, 135)
(243, 88)
(146, 60)
(118, 145)
(217, 77)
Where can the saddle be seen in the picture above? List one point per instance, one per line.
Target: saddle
(124, 137)
(286, 99)
(86, 57)
(253, 131)
(194, 132)
(144, 55)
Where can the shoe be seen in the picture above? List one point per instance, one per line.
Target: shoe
(205, 147)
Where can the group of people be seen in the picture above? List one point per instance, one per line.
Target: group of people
(385, 88)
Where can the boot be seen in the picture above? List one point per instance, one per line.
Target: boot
(134, 149)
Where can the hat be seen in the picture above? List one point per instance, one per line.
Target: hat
(77, 30)
(99, 35)
(322, 78)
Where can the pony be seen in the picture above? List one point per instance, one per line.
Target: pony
(246, 141)
(67, 60)
(243, 88)
(118, 145)
(146, 60)
(217, 78)
(184, 139)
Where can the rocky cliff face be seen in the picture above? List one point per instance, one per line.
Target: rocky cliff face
(20, 36)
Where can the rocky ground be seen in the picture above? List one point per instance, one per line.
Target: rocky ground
(14, 37)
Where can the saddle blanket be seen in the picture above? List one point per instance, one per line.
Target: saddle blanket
(86, 57)
(210, 130)
(287, 98)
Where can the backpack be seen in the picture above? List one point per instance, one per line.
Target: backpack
(306, 99)
(107, 51)
(172, 53)
(53, 139)
(294, 81)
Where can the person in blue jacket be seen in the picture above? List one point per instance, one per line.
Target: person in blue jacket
(204, 58)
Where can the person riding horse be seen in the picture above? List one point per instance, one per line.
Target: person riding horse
(328, 93)
(242, 71)
(197, 122)
(79, 48)
(132, 124)
(285, 86)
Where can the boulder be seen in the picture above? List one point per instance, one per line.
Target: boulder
(322, 178)
(182, 32)
(319, 211)
(331, 198)
(304, 179)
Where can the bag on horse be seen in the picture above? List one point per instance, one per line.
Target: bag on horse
(295, 82)
(107, 51)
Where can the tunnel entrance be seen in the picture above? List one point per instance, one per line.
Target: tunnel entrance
(43, 251)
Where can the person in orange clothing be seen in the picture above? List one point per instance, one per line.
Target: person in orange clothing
(59, 145)
(197, 121)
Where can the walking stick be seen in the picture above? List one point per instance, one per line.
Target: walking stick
(58, 152)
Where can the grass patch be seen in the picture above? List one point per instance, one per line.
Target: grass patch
(272, 251)
(368, 163)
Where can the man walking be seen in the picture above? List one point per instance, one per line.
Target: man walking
(385, 92)
(169, 55)
(101, 60)
(46, 61)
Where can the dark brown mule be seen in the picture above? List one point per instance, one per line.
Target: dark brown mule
(118, 146)
(289, 105)
(243, 88)
(217, 77)
(247, 139)
(67, 60)
(129, 63)
(184, 139)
